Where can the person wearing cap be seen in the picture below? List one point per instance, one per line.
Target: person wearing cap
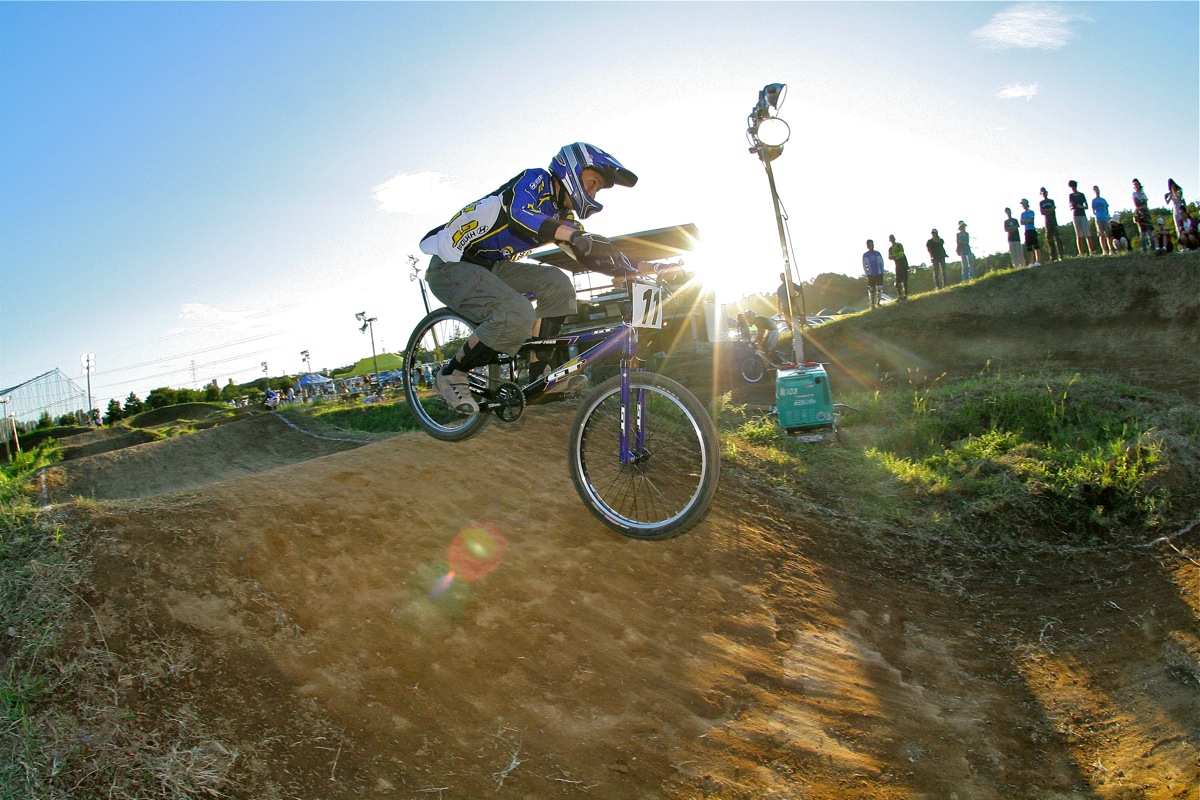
(1033, 250)
(896, 253)
(1120, 239)
(1103, 222)
(1162, 237)
(1141, 215)
(937, 253)
(963, 248)
(1083, 233)
(1016, 250)
(1050, 215)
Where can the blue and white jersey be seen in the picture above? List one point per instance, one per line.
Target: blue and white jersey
(873, 262)
(519, 216)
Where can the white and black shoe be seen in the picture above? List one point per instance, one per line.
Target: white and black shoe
(455, 390)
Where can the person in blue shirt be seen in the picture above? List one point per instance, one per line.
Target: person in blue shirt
(475, 266)
(1103, 222)
(1033, 250)
(872, 262)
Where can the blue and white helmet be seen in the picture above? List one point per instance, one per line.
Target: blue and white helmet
(569, 165)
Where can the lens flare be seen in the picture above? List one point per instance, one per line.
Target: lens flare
(475, 552)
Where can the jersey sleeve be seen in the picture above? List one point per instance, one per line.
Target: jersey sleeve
(530, 201)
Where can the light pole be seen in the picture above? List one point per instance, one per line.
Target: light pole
(415, 275)
(768, 134)
(368, 323)
(264, 366)
(88, 362)
(7, 452)
(307, 363)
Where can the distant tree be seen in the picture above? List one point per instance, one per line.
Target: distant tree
(230, 391)
(133, 405)
(68, 419)
(44, 421)
(161, 397)
(212, 394)
(113, 414)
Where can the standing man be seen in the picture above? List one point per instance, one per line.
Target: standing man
(1141, 215)
(785, 307)
(1033, 251)
(896, 253)
(963, 248)
(873, 268)
(1050, 215)
(1103, 222)
(937, 253)
(1083, 235)
(1016, 250)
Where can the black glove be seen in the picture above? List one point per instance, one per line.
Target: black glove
(586, 244)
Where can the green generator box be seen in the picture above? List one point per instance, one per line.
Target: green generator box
(803, 399)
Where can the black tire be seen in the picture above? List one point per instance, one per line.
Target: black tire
(439, 334)
(667, 493)
(752, 369)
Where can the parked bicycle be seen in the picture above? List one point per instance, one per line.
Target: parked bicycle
(643, 453)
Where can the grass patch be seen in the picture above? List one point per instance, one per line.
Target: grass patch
(383, 417)
(995, 461)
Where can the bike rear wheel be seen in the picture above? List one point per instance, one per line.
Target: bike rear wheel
(668, 490)
(436, 339)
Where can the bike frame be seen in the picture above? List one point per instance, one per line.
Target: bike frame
(608, 340)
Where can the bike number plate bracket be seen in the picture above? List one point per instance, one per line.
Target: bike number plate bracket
(647, 306)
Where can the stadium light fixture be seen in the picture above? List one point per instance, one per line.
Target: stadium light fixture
(768, 134)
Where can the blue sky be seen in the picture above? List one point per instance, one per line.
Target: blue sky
(190, 189)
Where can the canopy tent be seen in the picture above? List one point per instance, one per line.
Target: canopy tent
(313, 379)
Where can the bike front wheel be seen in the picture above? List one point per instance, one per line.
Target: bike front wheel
(435, 340)
(752, 369)
(667, 489)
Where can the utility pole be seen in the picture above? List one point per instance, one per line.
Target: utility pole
(368, 323)
(88, 360)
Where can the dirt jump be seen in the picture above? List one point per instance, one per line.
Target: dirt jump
(313, 616)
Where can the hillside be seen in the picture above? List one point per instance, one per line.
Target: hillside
(271, 611)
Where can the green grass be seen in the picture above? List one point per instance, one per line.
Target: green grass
(1059, 460)
(385, 417)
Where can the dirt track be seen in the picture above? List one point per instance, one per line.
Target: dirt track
(287, 617)
(296, 613)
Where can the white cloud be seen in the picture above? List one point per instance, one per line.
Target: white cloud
(416, 193)
(1030, 26)
(1015, 91)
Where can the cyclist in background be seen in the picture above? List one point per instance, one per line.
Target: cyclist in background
(760, 332)
(474, 267)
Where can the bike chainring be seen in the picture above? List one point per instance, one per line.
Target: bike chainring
(510, 403)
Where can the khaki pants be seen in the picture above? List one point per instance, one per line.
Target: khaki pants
(493, 299)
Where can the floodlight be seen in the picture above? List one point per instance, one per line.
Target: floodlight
(774, 93)
(773, 132)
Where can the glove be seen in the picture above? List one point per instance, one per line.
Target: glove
(583, 242)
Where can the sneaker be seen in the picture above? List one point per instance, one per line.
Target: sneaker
(457, 393)
(1037, 264)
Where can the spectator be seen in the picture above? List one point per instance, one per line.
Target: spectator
(937, 253)
(1120, 240)
(1189, 236)
(1033, 250)
(1078, 203)
(1174, 196)
(1141, 216)
(963, 248)
(896, 253)
(786, 309)
(1016, 250)
(1103, 222)
(872, 262)
(1162, 237)
(1050, 215)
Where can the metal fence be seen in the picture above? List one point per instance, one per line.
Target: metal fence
(51, 393)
